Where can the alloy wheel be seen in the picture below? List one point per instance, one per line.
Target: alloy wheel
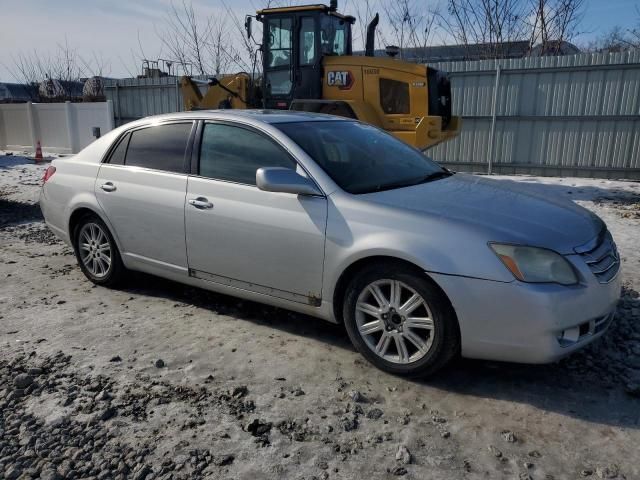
(394, 321)
(95, 249)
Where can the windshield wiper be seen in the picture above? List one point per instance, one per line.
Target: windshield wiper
(435, 176)
(408, 183)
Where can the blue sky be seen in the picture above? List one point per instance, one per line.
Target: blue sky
(605, 14)
(115, 29)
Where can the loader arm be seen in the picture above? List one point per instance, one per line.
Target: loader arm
(191, 95)
(227, 91)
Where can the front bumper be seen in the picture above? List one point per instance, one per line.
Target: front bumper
(529, 323)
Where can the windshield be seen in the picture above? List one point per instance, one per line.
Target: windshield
(361, 158)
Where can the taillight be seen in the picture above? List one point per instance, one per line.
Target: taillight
(48, 173)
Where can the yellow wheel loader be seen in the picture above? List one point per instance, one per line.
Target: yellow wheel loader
(308, 65)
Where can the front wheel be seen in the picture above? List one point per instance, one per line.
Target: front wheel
(400, 321)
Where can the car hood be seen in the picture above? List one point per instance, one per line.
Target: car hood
(506, 210)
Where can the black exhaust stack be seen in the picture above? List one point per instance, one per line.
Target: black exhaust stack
(371, 36)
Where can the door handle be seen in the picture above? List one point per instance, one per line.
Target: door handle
(201, 203)
(108, 187)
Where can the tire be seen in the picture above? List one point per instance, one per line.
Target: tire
(103, 266)
(410, 338)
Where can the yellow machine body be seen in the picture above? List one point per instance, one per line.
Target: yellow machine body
(385, 92)
(216, 96)
(364, 97)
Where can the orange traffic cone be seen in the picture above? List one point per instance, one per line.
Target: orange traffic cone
(39, 156)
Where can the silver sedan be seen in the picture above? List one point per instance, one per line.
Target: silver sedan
(337, 219)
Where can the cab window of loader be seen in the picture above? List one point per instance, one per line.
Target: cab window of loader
(279, 54)
(334, 34)
(307, 41)
(394, 96)
(279, 82)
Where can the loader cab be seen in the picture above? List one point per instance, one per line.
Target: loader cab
(294, 41)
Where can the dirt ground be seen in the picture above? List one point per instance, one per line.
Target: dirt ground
(160, 380)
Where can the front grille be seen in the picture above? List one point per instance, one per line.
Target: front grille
(603, 258)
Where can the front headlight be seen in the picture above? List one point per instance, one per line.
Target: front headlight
(535, 265)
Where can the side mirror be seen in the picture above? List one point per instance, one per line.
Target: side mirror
(247, 25)
(285, 180)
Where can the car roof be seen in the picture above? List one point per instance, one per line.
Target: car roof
(264, 116)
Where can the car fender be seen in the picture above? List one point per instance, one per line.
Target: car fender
(434, 245)
(89, 201)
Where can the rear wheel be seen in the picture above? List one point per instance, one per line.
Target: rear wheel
(400, 321)
(97, 252)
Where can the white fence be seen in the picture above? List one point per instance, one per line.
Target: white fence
(135, 98)
(59, 127)
(575, 115)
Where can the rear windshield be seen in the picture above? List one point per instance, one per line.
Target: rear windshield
(361, 158)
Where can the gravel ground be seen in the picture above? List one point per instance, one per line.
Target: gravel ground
(160, 380)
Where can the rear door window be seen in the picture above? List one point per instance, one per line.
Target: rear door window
(161, 147)
(118, 153)
(235, 153)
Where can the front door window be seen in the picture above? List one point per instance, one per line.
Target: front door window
(234, 154)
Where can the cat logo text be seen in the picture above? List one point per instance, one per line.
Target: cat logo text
(342, 80)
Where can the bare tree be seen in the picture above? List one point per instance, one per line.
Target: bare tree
(187, 36)
(410, 25)
(554, 22)
(33, 67)
(217, 46)
(66, 64)
(422, 27)
(211, 44)
(63, 64)
(617, 39)
(96, 65)
(490, 23)
(364, 11)
(246, 55)
(26, 68)
(634, 33)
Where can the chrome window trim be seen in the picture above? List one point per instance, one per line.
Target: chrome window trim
(152, 170)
